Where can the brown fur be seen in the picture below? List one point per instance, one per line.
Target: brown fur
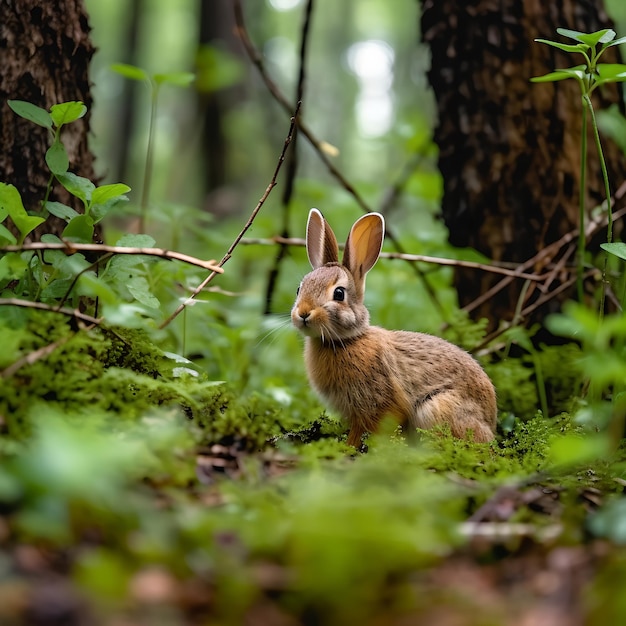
(367, 373)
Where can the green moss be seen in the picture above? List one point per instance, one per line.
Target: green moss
(116, 370)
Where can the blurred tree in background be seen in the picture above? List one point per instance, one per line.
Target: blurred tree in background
(509, 152)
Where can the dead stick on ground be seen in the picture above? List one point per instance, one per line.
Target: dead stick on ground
(33, 357)
(245, 229)
(42, 306)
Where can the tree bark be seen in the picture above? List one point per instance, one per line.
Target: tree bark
(509, 149)
(46, 52)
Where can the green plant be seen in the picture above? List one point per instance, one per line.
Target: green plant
(603, 364)
(54, 270)
(97, 201)
(590, 75)
(155, 81)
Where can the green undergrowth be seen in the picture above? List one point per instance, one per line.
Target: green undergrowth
(128, 460)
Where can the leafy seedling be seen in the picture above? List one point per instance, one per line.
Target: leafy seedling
(589, 76)
(155, 81)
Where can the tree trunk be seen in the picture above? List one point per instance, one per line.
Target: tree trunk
(46, 52)
(509, 149)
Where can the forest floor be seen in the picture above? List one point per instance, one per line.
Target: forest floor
(136, 493)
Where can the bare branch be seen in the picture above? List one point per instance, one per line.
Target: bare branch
(319, 146)
(415, 258)
(33, 357)
(546, 256)
(291, 165)
(71, 248)
(245, 229)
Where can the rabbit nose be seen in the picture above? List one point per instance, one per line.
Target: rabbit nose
(304, 316)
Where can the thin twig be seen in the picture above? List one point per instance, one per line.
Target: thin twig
(394, 191)
(42, 306)
(89, 268)
(319, 146)
(245, 229)
(291, 166)
(551, 251)
(257, 60)
(70, 248)
(415, 258)
(33, 357)
(528, 310)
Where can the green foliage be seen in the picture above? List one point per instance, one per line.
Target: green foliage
(602, 362)
(155, 81)
(97, 202)
(53, 277)
(589, 76)
(217, 69)
(11, 206)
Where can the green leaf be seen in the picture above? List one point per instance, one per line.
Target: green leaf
(179, 79)
(56, 289)
(135, 241)
(610, 521)
(566, 47)
(67, 112)
(99, 211)
(126, 314)
(618, 249)
(217, 69)
(91, 285)
(50, 238)
(611, 73)
(573, 449)
(77, 185)
(79, 228)
(6, 236)
(140, 290)
(12, 266)
(107, 192)
(617, 42)
(577, 72)
(130, 71)
(106, 197)
(591, 39)
(31, 112)
(60, 210)
(56, 158)
(11, 202)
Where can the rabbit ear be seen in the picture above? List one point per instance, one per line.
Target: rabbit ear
(363, 246)
(321, 243)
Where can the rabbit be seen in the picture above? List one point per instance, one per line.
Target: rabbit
(365, 372)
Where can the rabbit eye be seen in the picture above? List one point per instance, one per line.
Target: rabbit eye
(339, 295)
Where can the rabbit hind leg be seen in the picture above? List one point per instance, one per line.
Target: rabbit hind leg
(463, 416)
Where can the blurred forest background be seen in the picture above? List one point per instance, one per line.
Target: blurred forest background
(217, 143)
